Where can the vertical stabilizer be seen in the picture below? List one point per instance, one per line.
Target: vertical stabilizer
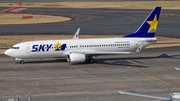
(76, 35)
(149, 26)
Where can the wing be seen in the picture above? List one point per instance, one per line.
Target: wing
(177, 68)
(92, 52)
(143, 95)
(105, 53)
(76, 35)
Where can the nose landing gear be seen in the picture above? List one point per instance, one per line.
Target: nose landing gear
(21, 61)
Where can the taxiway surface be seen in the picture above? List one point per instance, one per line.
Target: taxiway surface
(69, 0)
(150, 72)
(96, 22)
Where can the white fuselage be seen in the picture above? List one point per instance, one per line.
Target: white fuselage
(47, 48)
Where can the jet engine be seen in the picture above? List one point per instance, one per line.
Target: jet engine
(76, 58)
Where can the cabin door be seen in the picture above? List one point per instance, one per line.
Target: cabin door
(28, 50)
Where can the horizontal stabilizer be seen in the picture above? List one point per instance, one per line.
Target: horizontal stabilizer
(140, 47)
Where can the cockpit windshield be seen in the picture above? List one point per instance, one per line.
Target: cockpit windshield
(14, 47)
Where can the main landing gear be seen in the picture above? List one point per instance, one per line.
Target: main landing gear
(90, 60)
(21, 62)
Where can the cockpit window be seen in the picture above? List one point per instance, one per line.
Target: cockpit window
(14, 47)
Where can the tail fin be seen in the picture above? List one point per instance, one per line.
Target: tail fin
(149, 26)
(76, 35)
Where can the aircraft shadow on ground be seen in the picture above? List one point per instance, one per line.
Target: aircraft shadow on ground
(61, 60)
(133, 61)
(127, 61)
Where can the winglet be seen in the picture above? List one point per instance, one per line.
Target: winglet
(149, 26)
(76, 35)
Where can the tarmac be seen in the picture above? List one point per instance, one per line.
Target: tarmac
(60, 0)
(149, 72)
(96, 22)
(70, 0)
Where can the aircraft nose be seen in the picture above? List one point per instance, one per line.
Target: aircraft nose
(7, 52)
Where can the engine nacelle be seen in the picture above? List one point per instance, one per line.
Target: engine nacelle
(76, 58)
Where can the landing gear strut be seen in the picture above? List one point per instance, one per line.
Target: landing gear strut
(21, 61)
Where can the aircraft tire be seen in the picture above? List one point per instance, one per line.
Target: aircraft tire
(21, 62)
(90, 60)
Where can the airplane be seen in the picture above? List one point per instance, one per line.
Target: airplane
(173, 96)
(83, 50)
(17, 98)
(76, 35)
(176, 68)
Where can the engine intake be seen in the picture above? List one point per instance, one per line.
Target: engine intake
(76, 58)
